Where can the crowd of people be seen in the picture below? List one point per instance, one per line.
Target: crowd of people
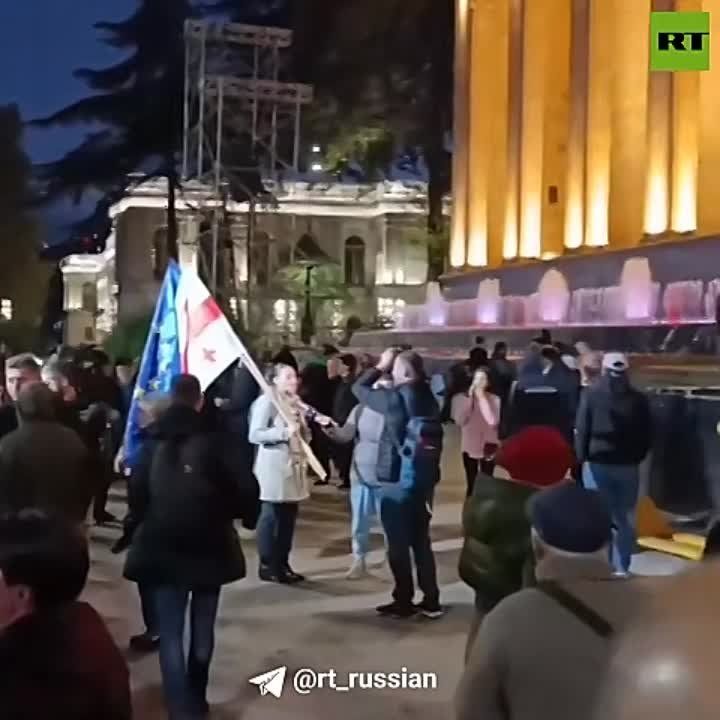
(551, 447)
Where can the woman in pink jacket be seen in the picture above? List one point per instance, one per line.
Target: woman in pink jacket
(477, 414)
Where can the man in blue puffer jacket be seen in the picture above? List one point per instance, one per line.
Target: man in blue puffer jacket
(408, 469)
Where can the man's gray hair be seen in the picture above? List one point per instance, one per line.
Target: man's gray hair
(37, 402)
(413, 363)
(24, 361)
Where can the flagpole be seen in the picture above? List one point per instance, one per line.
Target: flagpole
(282, 411)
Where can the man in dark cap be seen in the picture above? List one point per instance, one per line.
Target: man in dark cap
(541, 652)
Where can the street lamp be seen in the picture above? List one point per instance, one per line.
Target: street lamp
(309, 255)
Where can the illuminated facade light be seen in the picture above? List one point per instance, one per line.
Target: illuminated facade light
(6, 309)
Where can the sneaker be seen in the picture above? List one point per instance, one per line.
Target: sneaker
(430, 610)
(622, 575)
(358, 570)
(397, 610)
(144, 643)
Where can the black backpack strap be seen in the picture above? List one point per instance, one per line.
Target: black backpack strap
(585, 614)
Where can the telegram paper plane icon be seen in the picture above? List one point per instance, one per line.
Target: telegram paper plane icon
(271, 682)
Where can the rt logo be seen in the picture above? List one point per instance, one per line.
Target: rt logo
(679, 41)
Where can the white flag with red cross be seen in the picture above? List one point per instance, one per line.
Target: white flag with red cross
(208, 343)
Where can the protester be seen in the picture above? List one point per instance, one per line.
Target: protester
(503, 370)
(280, 468)
(62, 378)
(364, 427)
(408, 468)
(613, 437)
(343, 403)
(57, 657)
(235, 421)
(89, 421)
(542, 652)
(151, 408)
(496, 558)
(125, 376)
(44, 464)
(477, 414)
(186, 547)
(317, 389)
(20, 370)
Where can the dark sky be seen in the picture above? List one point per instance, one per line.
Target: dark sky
(41, 43)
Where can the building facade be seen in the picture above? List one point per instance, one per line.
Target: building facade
(566, 143)
(372, 236)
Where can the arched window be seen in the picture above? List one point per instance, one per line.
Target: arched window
(158, 253)
(89, 297)
(355, 261)
(260, 259)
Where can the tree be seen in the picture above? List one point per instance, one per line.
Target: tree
(136, 111)
(21, 271)
(383, 73)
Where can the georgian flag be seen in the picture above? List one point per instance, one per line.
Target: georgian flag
(208, 345)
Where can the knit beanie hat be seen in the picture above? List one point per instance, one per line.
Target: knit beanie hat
(538, 456)
(571, 518)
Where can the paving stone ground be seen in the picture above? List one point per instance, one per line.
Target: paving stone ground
(327, 623)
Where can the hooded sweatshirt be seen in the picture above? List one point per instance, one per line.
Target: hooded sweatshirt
(613, 423)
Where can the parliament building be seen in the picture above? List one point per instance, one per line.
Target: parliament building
(566, 143)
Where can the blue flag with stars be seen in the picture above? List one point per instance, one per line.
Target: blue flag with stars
(160, 361)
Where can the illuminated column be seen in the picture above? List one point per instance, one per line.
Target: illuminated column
(709, 160)
(488, 117)
(657, 183)
(685, 132)
(556, 127)
(597, 177)
(535, 41)
(575, 184)
(629, 122)
(511, 239)
(458, 231)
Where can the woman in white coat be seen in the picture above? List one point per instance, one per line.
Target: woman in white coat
(281, 471)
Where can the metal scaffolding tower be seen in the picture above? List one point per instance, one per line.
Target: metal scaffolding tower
(240, 118)
(239, 114)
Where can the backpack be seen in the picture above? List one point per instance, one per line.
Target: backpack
(184, 499)
(420, 452)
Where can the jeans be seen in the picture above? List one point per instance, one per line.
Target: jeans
(406, 518)
(147, 605)
(365, 505)
(275, 530)
(619, 485)
(185, 680)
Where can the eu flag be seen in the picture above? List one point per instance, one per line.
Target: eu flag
(161, 360)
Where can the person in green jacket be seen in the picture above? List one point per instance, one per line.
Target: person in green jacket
(496, 558)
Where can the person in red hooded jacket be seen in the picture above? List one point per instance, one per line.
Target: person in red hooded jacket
(497, 559)
(57, 658)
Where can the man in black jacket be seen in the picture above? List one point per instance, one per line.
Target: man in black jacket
(183, 499)
(613, 437)
(407, 484)
(44, 464)
(344, 401)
